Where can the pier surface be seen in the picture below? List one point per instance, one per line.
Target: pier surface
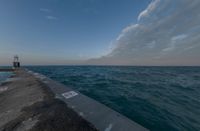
(32, 91)
(26, 104)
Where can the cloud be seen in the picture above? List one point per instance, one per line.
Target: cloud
(49, 17)
(45, 10)
(48, 11)
(174, 41)
(151, 7)
(178, 37)
(165, 34)
(151, 44)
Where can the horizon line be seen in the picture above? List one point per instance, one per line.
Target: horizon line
(103, 65)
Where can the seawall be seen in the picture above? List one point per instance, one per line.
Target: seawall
(28, 96)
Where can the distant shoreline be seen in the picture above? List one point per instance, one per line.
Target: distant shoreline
(6, 70)
(8, 66)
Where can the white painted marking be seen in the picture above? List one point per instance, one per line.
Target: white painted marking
(69, 94)
(109, 127)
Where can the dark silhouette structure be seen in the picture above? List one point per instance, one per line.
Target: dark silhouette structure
(16, 63)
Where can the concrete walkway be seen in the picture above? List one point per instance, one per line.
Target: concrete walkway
(27, 104)
(102, 117)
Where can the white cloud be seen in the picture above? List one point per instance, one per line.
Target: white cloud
(45, 10)
(166, 28)
(151, 45)
(174, 41)
(151, 7)
(127, 30)
(179, 37)
(51, 17)
(171, 47)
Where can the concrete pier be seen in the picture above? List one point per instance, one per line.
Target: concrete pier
(102, 117)
(26, 104)
(31, 88)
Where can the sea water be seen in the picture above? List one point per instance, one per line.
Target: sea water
(158, 98)
(4, 76)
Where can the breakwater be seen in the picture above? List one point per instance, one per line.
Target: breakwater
(33, 92)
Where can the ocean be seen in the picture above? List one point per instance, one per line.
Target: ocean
(4, 76)
(158, 98)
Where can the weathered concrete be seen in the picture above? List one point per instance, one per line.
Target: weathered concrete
(102, 117)
(27, 104)
(16, 94)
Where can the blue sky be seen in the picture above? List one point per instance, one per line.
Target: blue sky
(42, 31)
(116, 32)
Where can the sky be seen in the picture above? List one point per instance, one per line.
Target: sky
(100, 32)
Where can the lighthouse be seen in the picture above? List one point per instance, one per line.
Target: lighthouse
(16, 63)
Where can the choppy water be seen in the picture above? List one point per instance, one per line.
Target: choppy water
(159, 98)
(4, 76)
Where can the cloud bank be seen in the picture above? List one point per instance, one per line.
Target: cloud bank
(167, 33)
